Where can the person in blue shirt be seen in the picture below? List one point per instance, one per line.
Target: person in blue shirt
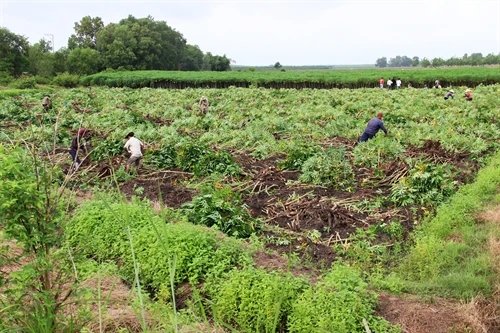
(374, 125)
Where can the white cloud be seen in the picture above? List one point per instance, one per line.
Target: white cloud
(261, 33)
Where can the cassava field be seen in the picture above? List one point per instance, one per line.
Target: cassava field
(262, 215)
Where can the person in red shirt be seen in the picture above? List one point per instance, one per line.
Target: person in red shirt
(468, 95)
(382, 83)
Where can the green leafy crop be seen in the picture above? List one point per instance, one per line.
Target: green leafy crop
(338, 303)
(331, 168)
(426, 184)
(221, 209)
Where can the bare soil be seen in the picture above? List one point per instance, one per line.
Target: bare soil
(416, 316)
(164, 187)
(117, 312)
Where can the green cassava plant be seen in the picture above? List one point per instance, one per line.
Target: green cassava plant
(220, 207)
(330, 167)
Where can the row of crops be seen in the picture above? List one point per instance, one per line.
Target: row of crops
(276, 170)
(470, 77)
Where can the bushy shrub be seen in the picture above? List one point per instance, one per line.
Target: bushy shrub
(221, 209)
(338, 303)
(23, 83)
(426, 184)
(254, 300)
(329, 168)
(99, 228)
(41, 80)
(66, 80)
(105, 229)
(5, 78)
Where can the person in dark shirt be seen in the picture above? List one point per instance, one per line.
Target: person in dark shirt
(449, 94)
(77, 146)
(374, 125)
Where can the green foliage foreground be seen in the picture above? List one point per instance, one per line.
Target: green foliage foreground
(111, 230)
(249, 299)
(450, 255)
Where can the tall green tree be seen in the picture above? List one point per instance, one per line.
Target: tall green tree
(41, 59)
(85, 33)
(425, 62)
(13, 52)
(193, 58)
(60, 60)
(437, 62)
(406, 61)
(415, 61)
(84, 61)
(216, 63)
(141, 44)
(381, 62)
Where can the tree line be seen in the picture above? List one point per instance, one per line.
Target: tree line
(475, 59)
(131, 44)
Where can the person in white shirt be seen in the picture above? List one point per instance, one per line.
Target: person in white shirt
(398, 83)
(134, 147)
(389, 84)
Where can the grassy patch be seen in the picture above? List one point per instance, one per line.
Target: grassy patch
(450, 255)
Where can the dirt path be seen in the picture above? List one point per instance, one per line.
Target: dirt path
(480, 315)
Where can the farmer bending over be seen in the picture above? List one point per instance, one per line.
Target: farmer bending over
(76, 146)
(449, 94)
(203, 105)
(374, 125)
(468, 95)
(134, 147)
(46, 103)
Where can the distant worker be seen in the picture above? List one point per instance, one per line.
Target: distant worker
(450, 94)
(409, 85)
(389, 84)
(398, 83)
(46, 103)
(77, 146)
(203, 105)
(381, 82)
(437, 84)
(468, 95)
(374, 125)
(135, 148)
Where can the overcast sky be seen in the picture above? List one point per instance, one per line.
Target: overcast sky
(291, 32)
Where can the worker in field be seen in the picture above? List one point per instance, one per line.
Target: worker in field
(468, 95)
(46, 103)
(398, 83)
(135, 148)
(389, 84)
(203, 105)
(381, 82)
(437, 84)
(374, 125)
(450, 94)
(77, 146)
